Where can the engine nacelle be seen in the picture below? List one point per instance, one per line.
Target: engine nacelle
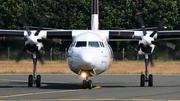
(146, 50)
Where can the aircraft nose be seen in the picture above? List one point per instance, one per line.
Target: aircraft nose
(86, 58)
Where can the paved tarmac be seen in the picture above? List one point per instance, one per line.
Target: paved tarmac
(105, 88)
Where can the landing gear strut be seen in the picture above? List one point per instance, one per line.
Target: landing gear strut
(87, 83)
(34, 78)
(145, 77)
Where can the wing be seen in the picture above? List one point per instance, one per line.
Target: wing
(110, 35)
(168, 35)
(114, 35)
(12, 34)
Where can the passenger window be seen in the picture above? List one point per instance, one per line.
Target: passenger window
(93, 44)
(81, 44)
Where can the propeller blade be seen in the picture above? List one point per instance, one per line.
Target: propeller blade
(134, 52)
(43, 21)
(40, 57)
(21, 54)
(141, 22)
(161, 24)
(138, 47)
(59, 41)
(22, 20)
(151, 60)
(166, 44)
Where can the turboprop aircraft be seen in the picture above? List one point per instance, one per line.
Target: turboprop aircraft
(89, 54)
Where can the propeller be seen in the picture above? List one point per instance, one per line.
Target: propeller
(31, 46)
(151, 36)
(146, 40)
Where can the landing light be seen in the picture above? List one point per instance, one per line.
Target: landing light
(83, 75)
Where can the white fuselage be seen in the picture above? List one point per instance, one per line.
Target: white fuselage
(89, 52)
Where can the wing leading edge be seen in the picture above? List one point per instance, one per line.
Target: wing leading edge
(118, 35)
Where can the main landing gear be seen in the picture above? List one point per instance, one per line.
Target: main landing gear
(34, 79)
(87, 84)
(145, 78)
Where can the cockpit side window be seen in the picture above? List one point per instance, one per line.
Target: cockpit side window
(81, 44)
(72, 45)
(101, 44)
(93, 44)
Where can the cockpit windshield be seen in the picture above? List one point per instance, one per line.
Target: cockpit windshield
(93, 44)
(81, 44)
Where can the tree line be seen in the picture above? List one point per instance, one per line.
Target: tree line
(76, 14)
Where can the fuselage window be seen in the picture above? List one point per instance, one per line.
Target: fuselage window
(93, 44)
(81, 44)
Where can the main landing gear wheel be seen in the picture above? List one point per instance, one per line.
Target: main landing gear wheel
(87, 84)
(150, 80)
(30, 81)
(38, 81)
(144, 79)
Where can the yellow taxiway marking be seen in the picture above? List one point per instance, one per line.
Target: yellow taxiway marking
(38, 93)
(87, 99)
(13, 80)
(27, 81)
(112, 99)
(108, 99)
(96, 87)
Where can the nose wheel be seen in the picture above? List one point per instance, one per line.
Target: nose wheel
(87, 84)
(145, 78)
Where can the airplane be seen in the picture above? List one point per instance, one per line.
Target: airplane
(90, 53)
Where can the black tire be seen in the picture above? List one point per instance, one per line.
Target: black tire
(84, 84)
(30, 81)
(38, 81)
(150, 80)
(90, 84)
(142, 80)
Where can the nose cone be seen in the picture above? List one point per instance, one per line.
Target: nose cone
(87, 60)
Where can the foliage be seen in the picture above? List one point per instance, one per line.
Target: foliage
(75, 14)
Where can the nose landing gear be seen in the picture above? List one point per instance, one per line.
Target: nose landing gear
(86, 83)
